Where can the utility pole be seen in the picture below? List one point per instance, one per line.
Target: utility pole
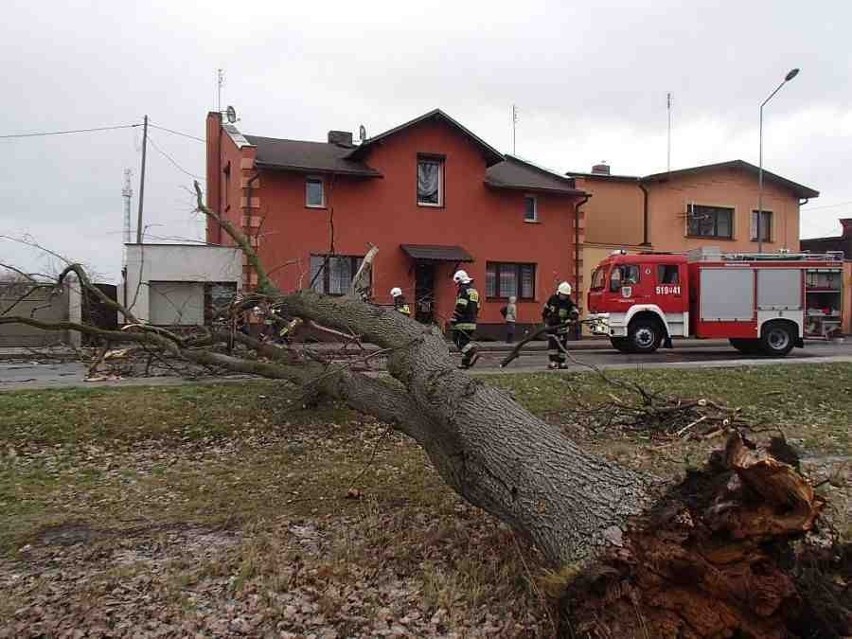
(220, 80)
(142, 181)
(514, 126)
(669, 136)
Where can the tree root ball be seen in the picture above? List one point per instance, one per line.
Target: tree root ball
(732, 551)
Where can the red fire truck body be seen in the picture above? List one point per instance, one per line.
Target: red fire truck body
(757, 301)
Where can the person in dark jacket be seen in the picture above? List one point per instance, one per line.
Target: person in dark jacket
(558, 312)
(399, 303)
(463, 322)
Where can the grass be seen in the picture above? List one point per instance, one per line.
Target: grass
(211, 496)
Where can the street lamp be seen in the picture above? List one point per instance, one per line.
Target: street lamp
(790, 75)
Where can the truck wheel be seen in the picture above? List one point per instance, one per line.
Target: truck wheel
(777, 339)
(644, 335)
(746, 346)
(621, 344)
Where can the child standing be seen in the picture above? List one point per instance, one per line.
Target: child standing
(510, 313)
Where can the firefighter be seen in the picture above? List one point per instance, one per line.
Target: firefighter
(558, 312)
(399, 302)
(463, 322)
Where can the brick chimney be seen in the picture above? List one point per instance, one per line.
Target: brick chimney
(600, 169)
(846, 223)
(340, 138)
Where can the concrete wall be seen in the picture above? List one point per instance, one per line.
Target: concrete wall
(187, 263)
(41, 304)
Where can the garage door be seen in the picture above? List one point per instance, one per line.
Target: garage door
(176, 303)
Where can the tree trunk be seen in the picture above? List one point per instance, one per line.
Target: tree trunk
(486, 446)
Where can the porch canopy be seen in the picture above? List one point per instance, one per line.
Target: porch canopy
(436, 253)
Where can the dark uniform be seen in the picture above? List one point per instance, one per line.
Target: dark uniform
(401, 305)
(464, 323)
(557, 311)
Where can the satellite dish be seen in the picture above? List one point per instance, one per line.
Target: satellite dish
(362, 133)
(231, 114)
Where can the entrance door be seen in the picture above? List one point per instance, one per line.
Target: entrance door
(424, 292)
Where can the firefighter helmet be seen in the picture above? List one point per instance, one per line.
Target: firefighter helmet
(395, 291)
(564, 288)
(461, 277)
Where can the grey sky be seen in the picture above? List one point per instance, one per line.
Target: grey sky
(589, 79)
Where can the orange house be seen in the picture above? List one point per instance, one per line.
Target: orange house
(676, 211)
(431, 195)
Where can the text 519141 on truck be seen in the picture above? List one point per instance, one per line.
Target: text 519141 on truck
(757, 301)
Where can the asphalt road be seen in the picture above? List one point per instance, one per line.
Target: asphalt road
(22, 374)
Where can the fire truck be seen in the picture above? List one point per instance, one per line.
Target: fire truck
(757, 301)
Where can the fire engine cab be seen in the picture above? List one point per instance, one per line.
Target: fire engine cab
(757, 301)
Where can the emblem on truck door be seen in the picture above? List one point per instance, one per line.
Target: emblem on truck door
(626, 291)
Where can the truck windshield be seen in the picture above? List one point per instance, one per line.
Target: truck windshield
(598, 278)
(623, 275)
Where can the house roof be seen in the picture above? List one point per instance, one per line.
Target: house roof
(828, 244)
(740, 165)
(307, 157)
(515, 173)
(603, 176)
(436, 253)
(492, 155)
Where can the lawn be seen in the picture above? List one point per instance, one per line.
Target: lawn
(232, 510)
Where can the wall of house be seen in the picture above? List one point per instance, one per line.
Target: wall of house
(614, 211)
(669, 201)
(487, 222)
(146, 263)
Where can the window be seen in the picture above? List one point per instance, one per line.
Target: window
(530, 209)
(668, 274)
(710, 221)
(598, 279)
(314, 193)
(765, 226)
(430, 181)
(623, 275)
(506, 280)
(332, 274)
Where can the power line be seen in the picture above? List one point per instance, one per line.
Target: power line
(185, 135)
(46, 133)
(171, 159)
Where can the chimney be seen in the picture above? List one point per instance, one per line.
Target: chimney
(846, 223)
(340, 138)
(601, 169)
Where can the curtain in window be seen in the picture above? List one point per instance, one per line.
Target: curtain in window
(428, 182)
(340, 275)
(317, 278)
(490, 281)
(508, 282)
(527, 281)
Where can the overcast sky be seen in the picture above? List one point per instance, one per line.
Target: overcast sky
(590, 81)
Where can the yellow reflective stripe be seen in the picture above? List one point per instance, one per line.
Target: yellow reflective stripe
(464, 327)
(461, 301)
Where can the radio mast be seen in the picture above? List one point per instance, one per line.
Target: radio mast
(127, 194)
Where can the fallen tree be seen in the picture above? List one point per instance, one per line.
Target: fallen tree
(630, 555)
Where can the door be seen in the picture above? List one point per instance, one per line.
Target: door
(424, 292)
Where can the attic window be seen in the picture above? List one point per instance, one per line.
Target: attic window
(430, 181)
(314, 193)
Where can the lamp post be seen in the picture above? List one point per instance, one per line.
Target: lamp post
(790, 75)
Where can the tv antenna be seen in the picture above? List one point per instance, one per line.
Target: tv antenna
(220, 82)
(127, 194)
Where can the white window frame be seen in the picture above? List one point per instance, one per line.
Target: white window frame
(308, 180)
(442, 164)
(534, 199)
(754, 226)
